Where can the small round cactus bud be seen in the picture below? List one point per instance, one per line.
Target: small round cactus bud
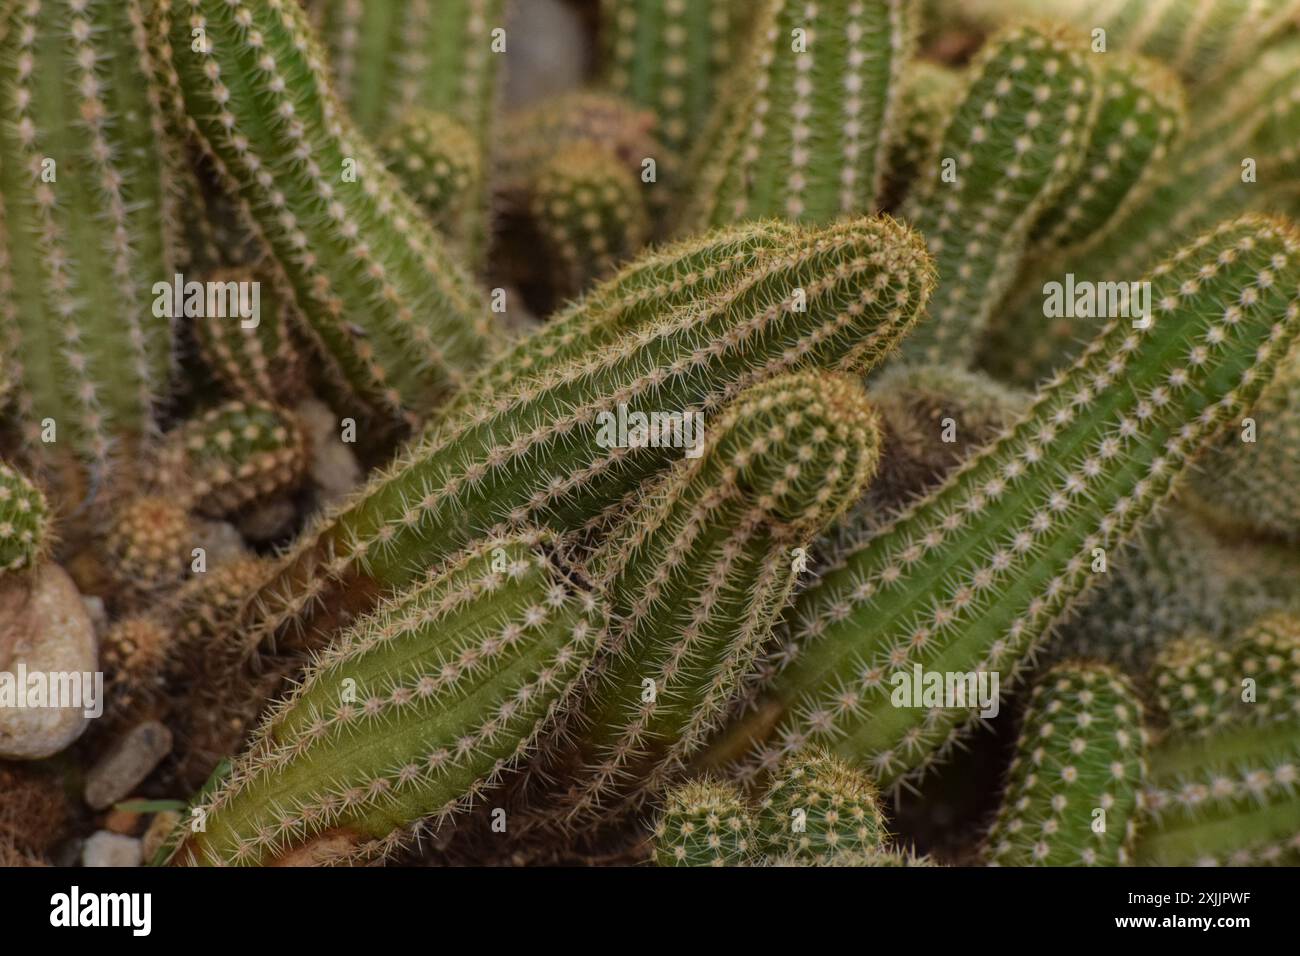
(254, 362)
(134, 653)
(819, 807)
(437, 159)
(24, 521)
(704, 823)
(149, 542)
(233, 455)
(1075, 785)
(589, 208)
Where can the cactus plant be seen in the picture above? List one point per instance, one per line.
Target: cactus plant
(818, 808)
(85, 220)
(24, 521)
(398, 318)
(969, 580)
(704, 823)
(808, 138)
(927, 94)
(1015, 138)
(233, 455)
(261, 363)
(697, 574)
(412, 715)
(1075, 788)
(149, 541)
(590, 213)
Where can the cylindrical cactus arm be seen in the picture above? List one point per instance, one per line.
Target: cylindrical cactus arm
(927, 94)
(400, 320)
(1073, 796)
(551, 451)
(697, 575)
(82, 224)
(704, 823)
(808, 138)
(1140, 120)
(1226, 799)
(668, 56)
(970, 580)
(411, 716)
(1013, 141)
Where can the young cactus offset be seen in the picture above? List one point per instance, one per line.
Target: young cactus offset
(697, 574)
(818, 808)
(808, 137)
(149, 541)
(1074, 791)
(398, 319)
(552, 450)
(85, 233)
(1014, 140)
(704, 823)
(970, 580)
(1223, 780)
(258, 364)
(233, 455)
(590, 211)
(437, 159)
(411, 716)
(24, 522)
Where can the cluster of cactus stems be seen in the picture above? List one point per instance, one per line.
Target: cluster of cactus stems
(795, 426)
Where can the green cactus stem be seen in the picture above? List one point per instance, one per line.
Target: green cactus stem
(1074, 788)
(808, 139)
(1015, 139)
(927, 96)
(25, 532)
(696, 576)
(399, 320)
(704, 823)
(440, 164)
(233, 455)
(85, 222)
(414, 714)
(1254, 486)
(1223, 778)
(970, 580)
(262, 363)
(590, 212)
(670, 56)
(818, 808)
(1140, 119)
